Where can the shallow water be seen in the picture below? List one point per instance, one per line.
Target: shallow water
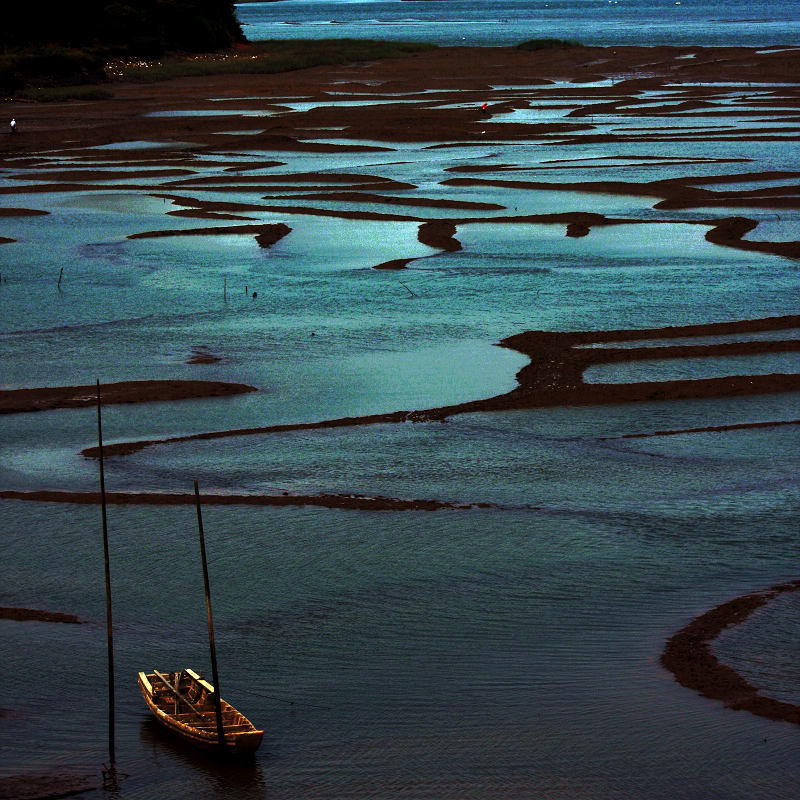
(510, 650)
(509, 22)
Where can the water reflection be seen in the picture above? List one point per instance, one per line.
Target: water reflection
(224, 777)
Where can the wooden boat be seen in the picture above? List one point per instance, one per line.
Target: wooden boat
(184, 704)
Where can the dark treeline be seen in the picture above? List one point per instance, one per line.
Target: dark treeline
(135, 27)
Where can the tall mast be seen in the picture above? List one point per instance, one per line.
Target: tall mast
(109, 626)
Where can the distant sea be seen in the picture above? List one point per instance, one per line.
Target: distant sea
(508, 22)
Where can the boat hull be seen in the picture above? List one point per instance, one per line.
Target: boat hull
(191, 715)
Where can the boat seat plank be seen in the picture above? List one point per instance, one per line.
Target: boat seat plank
(178, 694)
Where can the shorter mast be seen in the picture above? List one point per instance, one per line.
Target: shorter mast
(212, 646)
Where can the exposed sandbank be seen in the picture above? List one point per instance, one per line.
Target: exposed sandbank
(13, 401)
(688, 656)
(128, 114)
(22, 212)
(265, 234)
(47, 785)
(349, 501)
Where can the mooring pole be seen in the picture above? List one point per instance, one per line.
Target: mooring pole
(109, 626)
(212, 646)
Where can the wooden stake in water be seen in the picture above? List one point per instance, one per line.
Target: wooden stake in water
(212, 646)
(109, 626)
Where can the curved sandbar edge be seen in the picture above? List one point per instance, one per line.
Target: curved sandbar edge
(689, 658)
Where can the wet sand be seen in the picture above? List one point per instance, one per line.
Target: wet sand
(472, 72)
(44, 786)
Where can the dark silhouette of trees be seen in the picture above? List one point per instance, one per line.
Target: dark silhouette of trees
(141, 27)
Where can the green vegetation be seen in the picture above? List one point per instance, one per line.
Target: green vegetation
(548, 44)
(264, 58)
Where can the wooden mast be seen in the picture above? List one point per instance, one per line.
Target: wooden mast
(109, 625)
(212, 646)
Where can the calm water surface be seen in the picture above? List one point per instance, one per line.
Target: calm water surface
(509, 651)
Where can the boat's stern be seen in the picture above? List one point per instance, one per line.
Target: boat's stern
(247, 742)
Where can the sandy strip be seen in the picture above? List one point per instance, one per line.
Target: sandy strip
(688, 656)
(21, 212)
(348, 501)
(34, 615)
(356, 180)
(384, 199)
(95, 175)
(13, 401)
(266, 234)
(439, 234)
(554, 377)
(741, 426)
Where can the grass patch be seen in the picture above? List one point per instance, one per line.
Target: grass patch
(548, 44)
(265, 57)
